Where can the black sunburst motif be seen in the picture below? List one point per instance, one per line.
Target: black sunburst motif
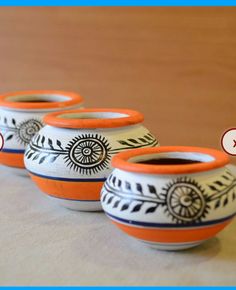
(185, 200)
(88, 153)
(27, 129)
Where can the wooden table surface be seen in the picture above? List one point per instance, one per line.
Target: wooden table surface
(175, 64)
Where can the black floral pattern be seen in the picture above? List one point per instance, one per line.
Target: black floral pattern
(183, 199)
(23, 131)
(85, 153)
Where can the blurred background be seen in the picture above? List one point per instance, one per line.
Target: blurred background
(177, 65)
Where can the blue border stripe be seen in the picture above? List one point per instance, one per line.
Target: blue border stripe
(69, 179)
(12, 150)
(119, 287)
(163, 225)
(117, 3)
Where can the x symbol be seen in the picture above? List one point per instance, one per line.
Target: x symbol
(234, 143)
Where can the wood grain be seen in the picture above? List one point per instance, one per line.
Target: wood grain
(175, 64)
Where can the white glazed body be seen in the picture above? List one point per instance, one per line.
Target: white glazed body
(52, 155)
(178, 203)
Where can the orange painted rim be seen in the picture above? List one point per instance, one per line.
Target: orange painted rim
(122, 160)
(132, 118)
(73, 99)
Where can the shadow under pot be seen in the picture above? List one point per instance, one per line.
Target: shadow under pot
(70, 158)
(21, 116)
(170, 198)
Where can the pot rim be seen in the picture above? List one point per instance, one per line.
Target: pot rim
(123, 160)
(71, 99)
(131, 118)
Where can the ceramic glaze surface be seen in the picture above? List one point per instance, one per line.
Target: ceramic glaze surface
(72, 164)
(18, 124)
(170, 211)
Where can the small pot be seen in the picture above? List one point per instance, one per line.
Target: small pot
(21, 116)
(170, 198)
(70, 158)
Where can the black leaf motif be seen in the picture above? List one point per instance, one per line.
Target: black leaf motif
(30, 155)
(139, 187)
(233, 196)
(54, 158)
(43, 140)
(50, 143)
(124, 143)
(148, 138)
(37, 139)
(59, 144)
(212, 187)
(104, 197)
(116, 204)
(152, 189)
(217, 204)
(13, 121)
(219, 183)
(5, 120)
(42, 159)
(114, 180)
(133, 141)
(143, 140)
(36, 157)
(151, 209)
(127, 185)
(110, 200)
(137, 207)
(9, 137)
(125, 206)
(225, 201)
(225, 177)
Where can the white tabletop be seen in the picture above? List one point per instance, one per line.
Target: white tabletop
(43, 244)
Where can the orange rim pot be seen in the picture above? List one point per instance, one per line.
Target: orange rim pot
(21, 117)
(170, 198)
(70, 158)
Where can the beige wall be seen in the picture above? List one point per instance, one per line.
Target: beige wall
(176, 65)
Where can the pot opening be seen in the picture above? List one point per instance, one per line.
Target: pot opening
(172, 158)
(37, 98)
(92, 115)
(94, 118)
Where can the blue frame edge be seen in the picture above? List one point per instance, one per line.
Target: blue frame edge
(117, 3)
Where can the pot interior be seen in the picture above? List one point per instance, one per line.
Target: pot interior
(38, 98)
(172, 158)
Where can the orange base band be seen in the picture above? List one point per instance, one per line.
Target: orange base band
(172, 235)
(68, 189)
(12, 159)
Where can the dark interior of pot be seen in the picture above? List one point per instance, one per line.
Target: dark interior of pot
(169, 161)
(38, 98)
(173, 158)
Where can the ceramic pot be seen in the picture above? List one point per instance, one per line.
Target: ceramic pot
(70, 158)
(21, 116)
(170, 198)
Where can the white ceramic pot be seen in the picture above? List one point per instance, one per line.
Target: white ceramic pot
(170, 198)
(21, 115)
(70, 158)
